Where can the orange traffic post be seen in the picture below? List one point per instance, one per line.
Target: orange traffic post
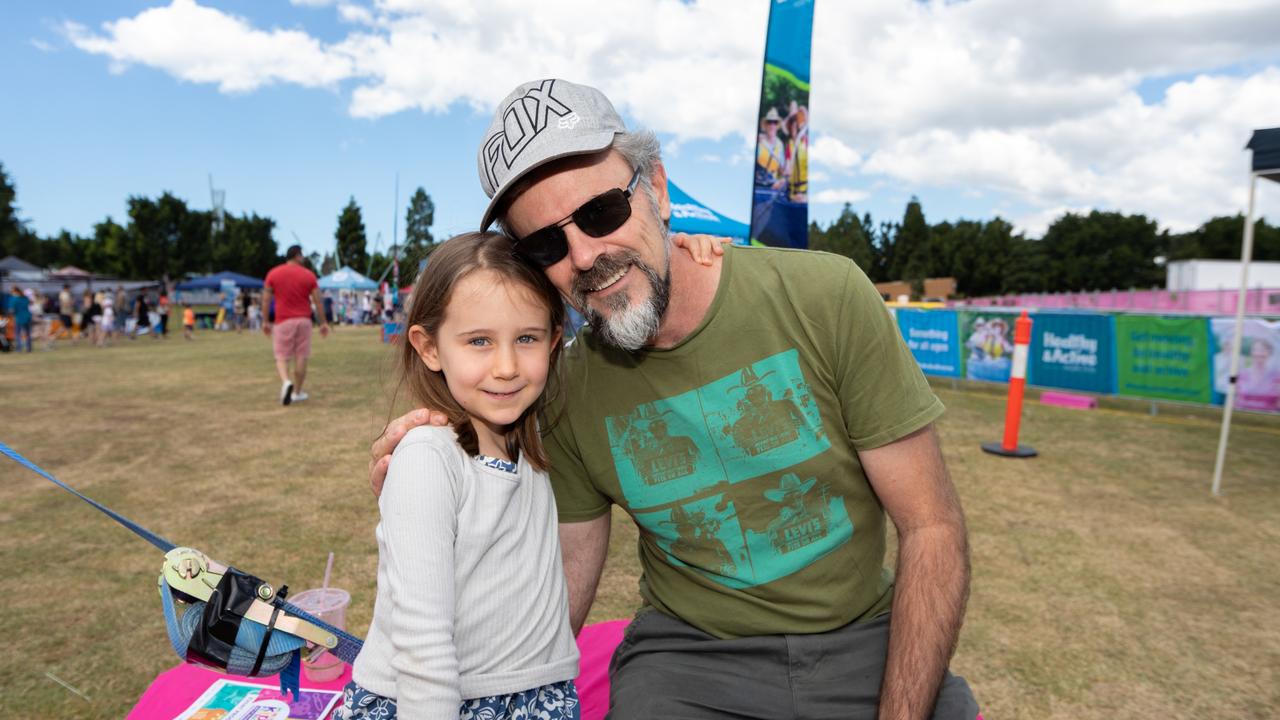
(1009, 447)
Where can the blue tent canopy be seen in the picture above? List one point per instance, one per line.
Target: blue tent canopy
(346, 279)
(214, 282)
(690, 216)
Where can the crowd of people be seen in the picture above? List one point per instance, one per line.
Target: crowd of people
(104, 316)
(98, 317)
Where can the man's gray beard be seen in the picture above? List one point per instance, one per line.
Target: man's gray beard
(628, 327)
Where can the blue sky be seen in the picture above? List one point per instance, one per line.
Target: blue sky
(980, 108)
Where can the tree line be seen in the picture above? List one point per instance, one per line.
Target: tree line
(1094, 251)
(164, 238)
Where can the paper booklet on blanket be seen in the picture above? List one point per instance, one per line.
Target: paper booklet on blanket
(234, 700)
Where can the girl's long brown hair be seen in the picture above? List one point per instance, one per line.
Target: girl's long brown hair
(449, 264)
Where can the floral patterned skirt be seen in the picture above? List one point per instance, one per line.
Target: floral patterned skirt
(554, 701)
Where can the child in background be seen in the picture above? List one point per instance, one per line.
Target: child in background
(188, 321)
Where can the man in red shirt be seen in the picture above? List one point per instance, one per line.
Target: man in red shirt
(295, 290)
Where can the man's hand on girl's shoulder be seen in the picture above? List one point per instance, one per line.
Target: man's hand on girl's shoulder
(385, 444)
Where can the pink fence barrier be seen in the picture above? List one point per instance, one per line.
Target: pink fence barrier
(1258, 301)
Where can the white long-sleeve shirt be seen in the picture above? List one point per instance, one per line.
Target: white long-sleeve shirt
(471, 592)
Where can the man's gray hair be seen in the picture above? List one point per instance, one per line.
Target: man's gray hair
(641, 150)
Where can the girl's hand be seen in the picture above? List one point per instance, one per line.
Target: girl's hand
(703, 248)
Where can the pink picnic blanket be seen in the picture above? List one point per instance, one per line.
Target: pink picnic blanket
(176, 688)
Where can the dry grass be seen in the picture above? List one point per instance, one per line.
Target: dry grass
(1107, 582)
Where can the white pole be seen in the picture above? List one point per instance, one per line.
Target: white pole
(1246, 254)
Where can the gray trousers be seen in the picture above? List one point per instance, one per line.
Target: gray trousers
(664, 668)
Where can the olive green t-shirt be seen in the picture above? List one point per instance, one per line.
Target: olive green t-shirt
(735, 451)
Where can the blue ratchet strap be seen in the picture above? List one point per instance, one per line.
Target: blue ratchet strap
(164, 545)
(348, 646)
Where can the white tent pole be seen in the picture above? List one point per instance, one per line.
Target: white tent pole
(1246, 254)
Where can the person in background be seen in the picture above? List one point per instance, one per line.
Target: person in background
(108, 330)
(91, 316)
(246, 302)
(142, 315)
(39, 318)
(293, 287)
(119, 303)
(162, 309)
(66, 307)
(366, 307)
(328, 307)
(20, 316)
(188, 321)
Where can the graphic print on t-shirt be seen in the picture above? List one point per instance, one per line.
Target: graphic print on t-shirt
(682, 461)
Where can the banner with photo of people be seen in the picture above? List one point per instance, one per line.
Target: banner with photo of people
(987, 353)
(1258, 374)
(780, 204)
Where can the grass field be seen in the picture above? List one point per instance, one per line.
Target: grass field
(1107, 582)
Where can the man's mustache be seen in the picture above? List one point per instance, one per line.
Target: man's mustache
(605, 267)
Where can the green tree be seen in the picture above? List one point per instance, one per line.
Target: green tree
(10, 225)
(844, 236)
(15, 237)
(352, 246)
(1222, 238)
(418, 242)
(911, 246)
(165, 238)
(1100, 251)
(246, 245)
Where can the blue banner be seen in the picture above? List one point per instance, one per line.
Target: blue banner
(1073, 351)
(932, 337)
(780, 204)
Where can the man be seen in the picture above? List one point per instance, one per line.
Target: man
(764, 593)
(294, 288)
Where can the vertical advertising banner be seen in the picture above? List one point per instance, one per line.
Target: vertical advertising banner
(780, 204)
(988, 345)
(1258, 374)
(1073, 352)
(931, 336)
(1163, 357)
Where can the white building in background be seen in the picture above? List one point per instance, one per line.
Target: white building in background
(1183, 275)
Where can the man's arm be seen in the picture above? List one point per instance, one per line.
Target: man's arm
(932, 583)
(318, 304)
(266, 317)
(584, 547)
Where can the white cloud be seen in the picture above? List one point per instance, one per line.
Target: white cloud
(204, 45)
(839, 196)
(358, 14)
(1035, 101)
(828, 151)
(42, 46)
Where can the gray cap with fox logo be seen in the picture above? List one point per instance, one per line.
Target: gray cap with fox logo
(541, 121)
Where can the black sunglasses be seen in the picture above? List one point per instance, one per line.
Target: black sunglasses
(597, 217)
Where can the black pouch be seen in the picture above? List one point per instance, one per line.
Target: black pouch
(215, 636)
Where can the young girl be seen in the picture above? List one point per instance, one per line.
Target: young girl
(471, 618)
